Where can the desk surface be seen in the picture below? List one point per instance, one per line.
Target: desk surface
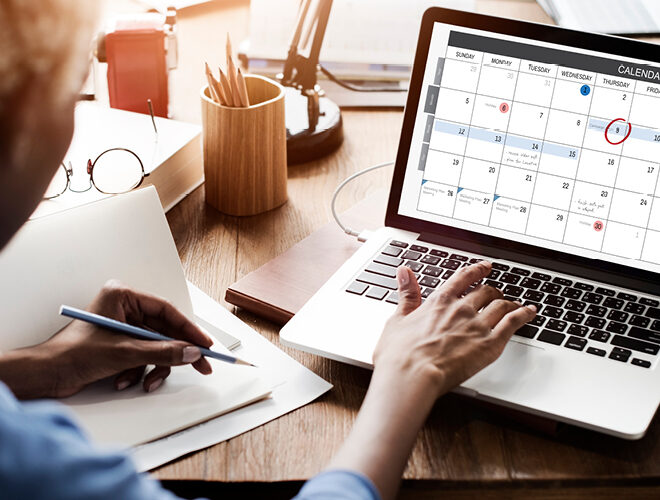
(462, 447)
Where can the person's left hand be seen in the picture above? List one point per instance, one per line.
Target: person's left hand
(81, 353)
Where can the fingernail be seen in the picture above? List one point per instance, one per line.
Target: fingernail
(191, 354)
(155, 385)
(123, 385)
(517, 302)
(403, 276)
(532, 307)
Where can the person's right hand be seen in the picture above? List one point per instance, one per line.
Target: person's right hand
(439, 344)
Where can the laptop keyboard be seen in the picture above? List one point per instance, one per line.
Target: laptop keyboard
(596, 320)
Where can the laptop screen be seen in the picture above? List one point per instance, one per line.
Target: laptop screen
(539, 143)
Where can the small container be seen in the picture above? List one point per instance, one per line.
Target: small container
(245, 150)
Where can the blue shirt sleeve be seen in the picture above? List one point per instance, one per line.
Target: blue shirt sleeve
(339, 484)
(44, 455)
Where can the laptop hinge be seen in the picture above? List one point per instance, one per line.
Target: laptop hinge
(557, 265)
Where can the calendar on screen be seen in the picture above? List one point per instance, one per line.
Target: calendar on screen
(542, 145)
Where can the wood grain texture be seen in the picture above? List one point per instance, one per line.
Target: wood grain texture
(464, 450)
(245, 150)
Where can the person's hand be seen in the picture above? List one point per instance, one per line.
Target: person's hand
(82, 353)
(449, 338)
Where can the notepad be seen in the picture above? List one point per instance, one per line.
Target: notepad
(66, 258)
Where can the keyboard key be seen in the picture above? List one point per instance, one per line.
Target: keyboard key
(450, 264)
(429, 282)
(533, 295)
(574, 305)
(595, 322)
(527, 331)
(653, 312)
(627, 296)
(411, 255)
(494, 274)
(605, 291)
(553, 312)
(426, 292)
(521, 271)
(500, 267)
(656, 325)
(596, 311)
(575, 343)
(400, 244)
(388, 271)
(377, 293)
(510, 298)
(551, 288)
(448, 274)
(592, 298)
(357, 288)
(495, 284)
(613, 303)
(515, 291)
(634, 308)
(551, 337)
(415, 266)
(512, 279)
(599, 335)
(393, 298)
(562, 281)
(639, 321)
(392, 251)
(541, 276)
(619, 354)
(596, 352)
(649, 302)
(439, 253)
(641, 362)
(475, 261)
(642, 334)
(615, 327)
(456, 256)
(635, 345)
(578, 330)
(620, 316)
(574, 317)
(571, 293)
(388, 261)
(530, 283)
(418, 248)
(556, 325)
(538, 320)
(429, 259)
(554, 300)
(374, 279)
(432, 271)
(584, 286)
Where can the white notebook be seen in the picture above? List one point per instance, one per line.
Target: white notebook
(66, 258)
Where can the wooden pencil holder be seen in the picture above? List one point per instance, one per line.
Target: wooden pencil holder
(245, 150)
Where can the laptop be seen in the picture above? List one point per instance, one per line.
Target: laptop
(537, 148)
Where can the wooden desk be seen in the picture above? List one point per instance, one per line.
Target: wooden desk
(463, 450)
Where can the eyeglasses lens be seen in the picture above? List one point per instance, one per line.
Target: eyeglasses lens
(117, 171)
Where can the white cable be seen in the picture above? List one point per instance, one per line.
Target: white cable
(344, 228)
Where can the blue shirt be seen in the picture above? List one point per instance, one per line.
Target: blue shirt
(45, 455)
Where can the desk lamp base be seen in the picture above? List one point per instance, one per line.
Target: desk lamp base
(304, 142)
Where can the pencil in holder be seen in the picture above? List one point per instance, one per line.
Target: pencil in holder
(245, 150)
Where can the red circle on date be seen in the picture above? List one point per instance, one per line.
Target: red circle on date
(504, 107)
(608, 128)
(598, 225)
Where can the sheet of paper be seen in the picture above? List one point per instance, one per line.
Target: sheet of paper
(66, 258)
(293, 386)
(359, 31)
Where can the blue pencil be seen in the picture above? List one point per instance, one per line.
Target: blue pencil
(140, 333)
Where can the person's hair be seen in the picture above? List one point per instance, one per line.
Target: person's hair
(44, 39)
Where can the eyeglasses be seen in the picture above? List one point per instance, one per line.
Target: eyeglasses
(115, 171)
